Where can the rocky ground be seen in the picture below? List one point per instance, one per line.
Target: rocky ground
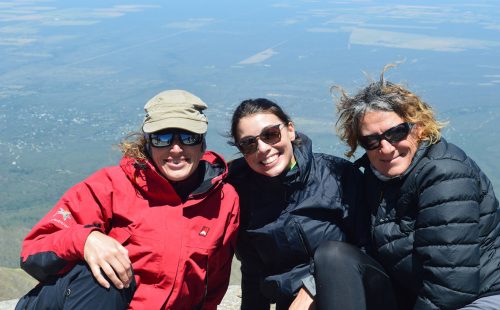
(232, 299)
(8, 304)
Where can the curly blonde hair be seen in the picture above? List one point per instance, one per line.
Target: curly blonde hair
(134, 146)
(384, 96)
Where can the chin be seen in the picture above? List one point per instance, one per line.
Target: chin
(393, 172)
(274, 171)
(176, 176)
(270, 173)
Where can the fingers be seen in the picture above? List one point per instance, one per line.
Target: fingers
(96, 272)
(302, 301)
(125, 274)
(119, 272)
(109, 271)
(122, 269)
(105, 255)
(117, 268)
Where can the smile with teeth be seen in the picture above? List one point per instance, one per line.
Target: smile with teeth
(270, 159)
(175, 161)
(392, 159)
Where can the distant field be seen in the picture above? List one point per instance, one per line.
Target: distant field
(15, 283)
(14, 225)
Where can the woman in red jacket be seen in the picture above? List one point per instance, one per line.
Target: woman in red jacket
(155, 232)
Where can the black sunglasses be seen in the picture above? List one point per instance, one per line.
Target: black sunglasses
(391, 135)
(165, 138)
(269, 135)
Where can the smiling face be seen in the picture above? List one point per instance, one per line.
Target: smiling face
(389, 159)
(268, 160)
(177, 162)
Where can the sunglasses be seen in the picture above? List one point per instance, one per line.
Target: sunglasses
(166, 138)
(391, 135)
(269, 135)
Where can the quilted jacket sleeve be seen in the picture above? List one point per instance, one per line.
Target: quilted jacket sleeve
(58, 239)
(447, 234)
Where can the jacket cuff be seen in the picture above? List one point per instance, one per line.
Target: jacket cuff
(81, 238)
(310, 285)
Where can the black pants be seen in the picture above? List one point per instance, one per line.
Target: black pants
(348, 279)
(77, 289)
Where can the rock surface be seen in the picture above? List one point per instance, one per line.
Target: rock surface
(8, 304)
(232, 299)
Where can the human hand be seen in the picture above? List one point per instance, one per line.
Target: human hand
(102, 252)
(303, 301)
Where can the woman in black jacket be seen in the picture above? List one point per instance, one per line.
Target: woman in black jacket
(434, 215)
(291, 200)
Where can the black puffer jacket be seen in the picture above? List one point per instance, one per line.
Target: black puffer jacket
(436, 229)
(284, 218)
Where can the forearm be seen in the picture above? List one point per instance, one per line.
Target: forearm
(58, 239)
(50, 254)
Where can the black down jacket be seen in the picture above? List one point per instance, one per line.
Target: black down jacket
(436, 229)
(284, 219)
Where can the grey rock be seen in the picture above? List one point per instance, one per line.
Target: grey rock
(8, 304)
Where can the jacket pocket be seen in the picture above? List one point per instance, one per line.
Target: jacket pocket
(195, 284)
(146, 254)
(120, 234)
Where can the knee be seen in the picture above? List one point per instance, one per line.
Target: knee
(335, 253)
(84, 289)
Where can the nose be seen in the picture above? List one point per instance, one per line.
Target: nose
(176, 146)
(262, 147)
(386, 146)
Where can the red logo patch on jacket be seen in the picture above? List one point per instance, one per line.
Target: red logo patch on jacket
(204, 231)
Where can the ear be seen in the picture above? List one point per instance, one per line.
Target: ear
(418, 131)
(147, 146)
(291, 131)
(204, 145)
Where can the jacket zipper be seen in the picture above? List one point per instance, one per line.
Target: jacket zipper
(305, 244)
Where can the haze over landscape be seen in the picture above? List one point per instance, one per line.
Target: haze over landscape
(75, 75)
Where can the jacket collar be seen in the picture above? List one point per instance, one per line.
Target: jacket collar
(153, 186)
(304, 156)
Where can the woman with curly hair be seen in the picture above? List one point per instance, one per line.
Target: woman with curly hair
(434, 216)
(155, 232)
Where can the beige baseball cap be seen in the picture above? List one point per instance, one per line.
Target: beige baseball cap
(175, 109)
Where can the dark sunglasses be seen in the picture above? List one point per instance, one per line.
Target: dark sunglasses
(391, 135)
(166, 138)
(269, 135)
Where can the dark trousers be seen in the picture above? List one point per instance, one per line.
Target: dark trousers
(348, 279)
(77, 289)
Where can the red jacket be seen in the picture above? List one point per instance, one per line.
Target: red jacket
(180, 252)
